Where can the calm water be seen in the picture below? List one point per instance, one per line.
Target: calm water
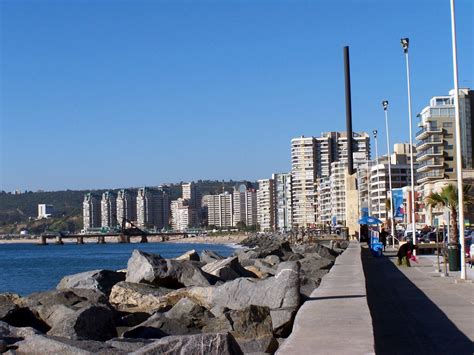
(27, 268)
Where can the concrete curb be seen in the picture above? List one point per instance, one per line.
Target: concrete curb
(336, 319)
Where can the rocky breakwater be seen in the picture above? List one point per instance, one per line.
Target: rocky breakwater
(194, 304)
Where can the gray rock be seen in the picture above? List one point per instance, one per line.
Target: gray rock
(128, 345)
(186, 317)
(132, 319)
(102, 280)
(276, 293)
(198, 344)
(244, 254)
(227, 269)
(85, 322)
(153, 269)
(191, 255)
(273, 260)
(132, 297)
(265, 267)
(295, 257)
(208, 256)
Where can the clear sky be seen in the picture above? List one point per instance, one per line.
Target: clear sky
(107, 94)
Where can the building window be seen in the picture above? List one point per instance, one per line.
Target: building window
(447, 124)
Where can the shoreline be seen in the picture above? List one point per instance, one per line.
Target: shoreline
(225, 239)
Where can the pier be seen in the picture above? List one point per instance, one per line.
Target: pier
(101, 237)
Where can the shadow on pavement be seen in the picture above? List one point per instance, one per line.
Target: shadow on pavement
(405, 320)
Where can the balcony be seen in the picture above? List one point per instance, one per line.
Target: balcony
(430, 175)
(426, 131)
(422, 145)
(429, 153)
(429, 164)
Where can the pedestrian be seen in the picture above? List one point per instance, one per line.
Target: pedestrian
(383, 238)
(404, 253)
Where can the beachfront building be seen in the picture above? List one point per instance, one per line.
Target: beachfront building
(282, 201)
(153, 208)
(244, 205)
(126, 206)
(108, 209)
(183, 215)
(266, 205)
(219, 209)
(91, 212)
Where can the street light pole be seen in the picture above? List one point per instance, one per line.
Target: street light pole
(405, 43)
(392, 224)
(377, 171)
(458, 146)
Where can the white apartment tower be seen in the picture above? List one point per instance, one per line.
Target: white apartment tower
(303, 177)
(245, 205)
(153, 208)
(283, 201)
(220, 209)
(183, 215)
(45, 211)
(108, 208)
(126, 206)
(266, 205)
(91, 211)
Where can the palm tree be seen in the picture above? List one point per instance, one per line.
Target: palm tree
(448, 197)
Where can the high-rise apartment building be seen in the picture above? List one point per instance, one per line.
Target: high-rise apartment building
(126, 206)
(283, 201)
(91, 211)
(303, 177)
(312, 163)
(245, 205)
(266, 205)
(183, 215)
(153, 208)
(220, 209)
(108, 208)
(192, 194)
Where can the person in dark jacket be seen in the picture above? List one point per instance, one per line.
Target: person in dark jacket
(404, 253)
(383, 238)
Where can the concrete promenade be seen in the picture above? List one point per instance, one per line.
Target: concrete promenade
(415, 311)
(336, 318)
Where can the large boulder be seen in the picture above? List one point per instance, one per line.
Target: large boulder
(155, 270)
(186, 317)
(313, 268)
(74, 313)
(279, 293)
(102, 280)
(197, 344)
(131, 297)
(227, 269)
(191, 255)
(13, 313)
(83, 321)
(208, 256)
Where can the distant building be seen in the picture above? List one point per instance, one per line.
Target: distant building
(153, 208)
(245, 205)
(91, 211)
(183, 215)
(283, 201)
(126, 206)
(220, 209)
(45, 211)
(193, 198)
(266, 205)
(108, 208)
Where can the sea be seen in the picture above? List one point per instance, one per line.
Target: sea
(28, 268)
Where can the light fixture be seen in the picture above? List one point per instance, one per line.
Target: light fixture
(405, 42)
(385, 105)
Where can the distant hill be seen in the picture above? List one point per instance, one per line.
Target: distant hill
(19, 209)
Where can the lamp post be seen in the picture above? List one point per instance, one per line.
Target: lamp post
(392, 224)
(458, 146)
(377, 171)
(405, 43)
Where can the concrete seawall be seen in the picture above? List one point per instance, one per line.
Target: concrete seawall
(336, 319)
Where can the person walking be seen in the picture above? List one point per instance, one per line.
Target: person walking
(404, 254)
(383, 238)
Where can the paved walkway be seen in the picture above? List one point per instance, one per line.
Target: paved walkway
(336, 318)
(415, 311)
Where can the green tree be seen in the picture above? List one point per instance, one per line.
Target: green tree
(448, 197)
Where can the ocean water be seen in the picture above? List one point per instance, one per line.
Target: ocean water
(27, 268)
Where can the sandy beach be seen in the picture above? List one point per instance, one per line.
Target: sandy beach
(225, 239)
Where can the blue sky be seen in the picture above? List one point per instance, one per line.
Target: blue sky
(106, 94)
